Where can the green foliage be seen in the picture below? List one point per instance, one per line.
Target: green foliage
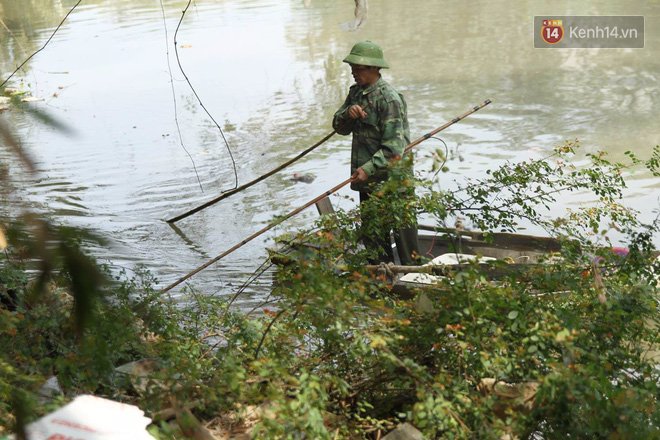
(528, 189)
(59, 324)
(582, 342)
(589, 360)
(569, 349)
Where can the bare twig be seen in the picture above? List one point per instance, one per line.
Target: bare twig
(263, 337)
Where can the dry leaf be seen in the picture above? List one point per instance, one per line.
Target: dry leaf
(424, 304)
(3, 240)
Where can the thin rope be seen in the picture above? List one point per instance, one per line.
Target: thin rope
(253, 277)
(176, 114)
(444, 162)
(42, 47)
(231, 156)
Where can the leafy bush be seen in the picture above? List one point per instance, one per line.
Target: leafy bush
(61, 323)
(567, 349)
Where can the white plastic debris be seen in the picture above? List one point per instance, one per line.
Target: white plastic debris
(420, 278)
(92, 418)
(441, 260)
(49, 389)
(452, 258)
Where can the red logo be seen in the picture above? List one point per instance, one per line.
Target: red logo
(552, 31)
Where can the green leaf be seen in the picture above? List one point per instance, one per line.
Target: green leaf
(513, 314)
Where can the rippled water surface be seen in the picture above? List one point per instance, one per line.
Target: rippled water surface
(270, 73)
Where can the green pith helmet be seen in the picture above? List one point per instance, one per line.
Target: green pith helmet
(367, 53)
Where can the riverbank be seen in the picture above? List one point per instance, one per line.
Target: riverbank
(338, 357)
(567, 350)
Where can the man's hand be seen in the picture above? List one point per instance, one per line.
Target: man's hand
(359, 175)
(356, 112)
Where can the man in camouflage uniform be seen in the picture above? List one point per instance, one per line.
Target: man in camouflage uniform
(376, 114)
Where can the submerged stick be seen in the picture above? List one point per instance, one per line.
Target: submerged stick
(315, 200)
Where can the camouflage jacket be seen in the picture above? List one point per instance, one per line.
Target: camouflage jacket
(379, 137)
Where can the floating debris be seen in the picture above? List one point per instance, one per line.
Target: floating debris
(307, 177)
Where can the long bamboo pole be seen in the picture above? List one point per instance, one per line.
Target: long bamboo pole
(226, 194)
(315, 200)
(231, 192)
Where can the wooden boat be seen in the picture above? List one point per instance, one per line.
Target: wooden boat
(499, 245)
(451, 249)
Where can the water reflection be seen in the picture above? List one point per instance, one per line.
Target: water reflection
(272, 71)
(22, 23)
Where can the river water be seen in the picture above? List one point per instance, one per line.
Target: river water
(270, 73)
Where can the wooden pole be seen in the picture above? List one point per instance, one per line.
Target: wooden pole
(315, 200)
(231, 192)
(226, 194)
(256, 234)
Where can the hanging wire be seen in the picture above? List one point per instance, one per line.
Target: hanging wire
(42, 47)
(176, 114)
(432, 179)
(456, 241)
(444, 162)
(197, 96)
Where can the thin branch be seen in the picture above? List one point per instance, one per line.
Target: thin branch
(263, 337)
